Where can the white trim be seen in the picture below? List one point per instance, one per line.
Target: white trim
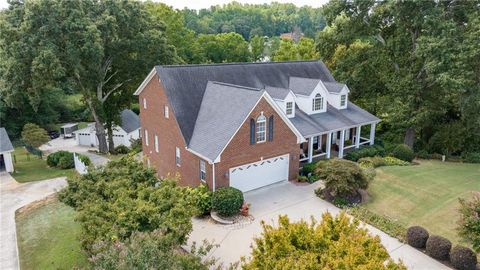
(199, 155)
(145, 82)
(338, 129)
(272, 103)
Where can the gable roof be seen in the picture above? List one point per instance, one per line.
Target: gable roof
(277, 92)
(334, 87)
(130, 120)
(185, 84)
(220, 116)
(303, 86)
(5, 143)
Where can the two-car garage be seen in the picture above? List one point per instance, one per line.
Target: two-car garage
(259, 174)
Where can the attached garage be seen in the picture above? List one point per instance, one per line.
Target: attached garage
(259, 174)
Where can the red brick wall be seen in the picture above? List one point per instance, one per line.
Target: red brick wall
(169, 137)
(240, 151)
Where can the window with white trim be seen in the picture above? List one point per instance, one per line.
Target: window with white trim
(317, 104)
(289, 110)
(146, 137)
(177, 156)
(165, 111)
(343, 100)
(261, 128)
(144, 103)
(156, 143)
(203, 170)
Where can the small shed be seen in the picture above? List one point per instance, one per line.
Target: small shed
(66, 131)
(6, 149)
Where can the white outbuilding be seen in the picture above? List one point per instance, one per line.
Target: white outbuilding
(6, 150)
(122, 135)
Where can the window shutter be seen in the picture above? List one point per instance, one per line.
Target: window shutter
(252, 131)
(200, 169)
(270, 128)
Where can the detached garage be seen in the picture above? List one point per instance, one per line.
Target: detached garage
(259, 174)
(6, 150)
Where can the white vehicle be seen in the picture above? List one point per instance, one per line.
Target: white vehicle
(66, 131)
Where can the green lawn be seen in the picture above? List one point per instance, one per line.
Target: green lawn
(48, 238)
(31, 168)
(425, 194)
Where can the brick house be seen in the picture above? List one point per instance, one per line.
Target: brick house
(246, 125)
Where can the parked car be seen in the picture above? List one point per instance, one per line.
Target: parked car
(53, 134)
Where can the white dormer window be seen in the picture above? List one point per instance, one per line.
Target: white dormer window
(289, 110)
(261, 128)
(165, 111)
(144, 103)
(317, 104)
(343, 100)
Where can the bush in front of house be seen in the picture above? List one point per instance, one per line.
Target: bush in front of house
(201, 198)
(227, 201)
(471, 157)
(372, 162)
(417, 236)
(342, 177)
(302, 178)
(121, 149)
(463, 258)
(308, 168)
(366, 151)
(61, 159)
(469, 223)
(403, 152)
(392, 161)
(438, 247)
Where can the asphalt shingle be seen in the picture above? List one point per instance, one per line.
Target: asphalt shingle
(5, 143)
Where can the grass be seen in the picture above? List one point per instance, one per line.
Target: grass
(31, 168)
(425, 194)
(48, 236)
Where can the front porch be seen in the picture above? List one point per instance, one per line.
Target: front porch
(335, 143)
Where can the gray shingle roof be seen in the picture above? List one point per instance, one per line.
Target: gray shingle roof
(5, 143)
(130, 120)
(277, 92)
(334, 87)
(220, 115)
(185, 84)
(303, 86)
(332, 119)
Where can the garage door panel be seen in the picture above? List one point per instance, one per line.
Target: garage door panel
(258, 174)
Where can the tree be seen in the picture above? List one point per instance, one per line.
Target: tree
(303, 50)
(34, 135)
(224, 47)
(333, 243)
(469, 223)
(123, 197)
(257, 43)
(342, 177)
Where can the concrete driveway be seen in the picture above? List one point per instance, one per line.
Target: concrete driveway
(14, 195)
(298, 202)
(71, 146)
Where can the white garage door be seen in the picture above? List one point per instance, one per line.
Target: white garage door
(258, 174)
(84, 139)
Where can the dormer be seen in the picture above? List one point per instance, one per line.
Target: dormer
(311, 95)
(284, 98)
(338, 94)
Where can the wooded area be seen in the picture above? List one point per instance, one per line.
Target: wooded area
(415, 64)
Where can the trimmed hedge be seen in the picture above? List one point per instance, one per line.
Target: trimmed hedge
(227, 201)
(438, 247)
(463, 258)
(366, 151)
(392, 161)
(417, 236)
(403, 152)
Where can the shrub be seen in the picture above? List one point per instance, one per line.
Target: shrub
(201, 198)
(372, 162)
(330, 243)
(438, 247)
(34, 135)
(136, 145)
(308, 168)
(366, 151)
(227, 201)
(471, 157)
(469, 223)
(342, 177)
(417, 236)
(391, 227)
(423, 154)
(302, 178)
(463, 258)
(391, 161)
(86, 160)
(53, 160)
(403, 152)
(121, 149)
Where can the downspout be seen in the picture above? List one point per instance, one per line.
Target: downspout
(213, 179)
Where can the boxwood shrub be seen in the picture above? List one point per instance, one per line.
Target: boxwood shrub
(227, 201)
(417, 236)
(403, 152)
(366, 151)
(438, 247)
(463, 258)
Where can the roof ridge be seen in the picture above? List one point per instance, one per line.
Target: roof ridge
(237, 86)
(238, 63)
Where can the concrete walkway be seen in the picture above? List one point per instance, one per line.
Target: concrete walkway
(298, 202)
(14, 195)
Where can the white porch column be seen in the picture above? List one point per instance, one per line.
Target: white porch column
(329, 144)
(357, 136)
(372, 133)
(342, 143)
(319, 147)
(310, 149)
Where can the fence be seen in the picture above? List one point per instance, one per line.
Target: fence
(79, 165)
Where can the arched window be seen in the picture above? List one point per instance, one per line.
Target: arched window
(261, 128)
(317, 103)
